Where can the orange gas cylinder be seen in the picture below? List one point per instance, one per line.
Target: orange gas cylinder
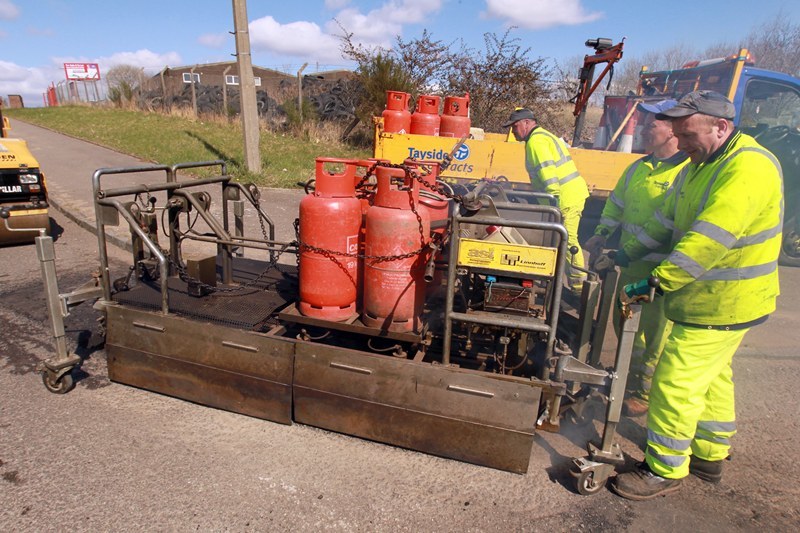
(438, 207)
(426, 119)
(394, 288)
(455, 117)
(365, 185)
(330, 219)
(396, 116)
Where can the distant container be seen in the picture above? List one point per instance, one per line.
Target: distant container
(455, 117)
(396, 116)
(426, 119)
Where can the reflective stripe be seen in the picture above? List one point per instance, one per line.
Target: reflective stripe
(634, 229)
(646, 240)
(554, 139)
(569, 177)
(711, 438)
(632, 171)
(760, 237)
(692, 267)
(678, 445)
(722, 165)
(714, 232)
(670, 460)
(544, 164)
(737, 274)
(664, 221)
(654, 257)
(616, 200)
(610, 223)
(551, 181)
(716, 427)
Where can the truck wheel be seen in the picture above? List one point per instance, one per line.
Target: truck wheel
(790, 248)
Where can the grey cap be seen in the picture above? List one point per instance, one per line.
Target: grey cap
(517, 115)
(709, 103)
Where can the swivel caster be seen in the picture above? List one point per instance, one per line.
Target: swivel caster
(590, 476)
(58, 382)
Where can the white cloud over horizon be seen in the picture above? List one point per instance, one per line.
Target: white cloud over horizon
(8, 10)
(540, 14)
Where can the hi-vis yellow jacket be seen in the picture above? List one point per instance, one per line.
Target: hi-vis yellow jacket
(634, 200)
(551, 169)
(724, 219)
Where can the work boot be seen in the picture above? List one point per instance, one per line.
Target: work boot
(633, 406)
(710, 471)
(644, 484)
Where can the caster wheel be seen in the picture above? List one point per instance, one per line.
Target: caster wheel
(61, 385)
(587, 485)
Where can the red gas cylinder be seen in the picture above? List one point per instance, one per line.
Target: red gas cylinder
(426, 119)
(365, 186)
(396, 116)
(394, 289)
(330, 219)
(431, 200)
(455, 117)
(438, 207)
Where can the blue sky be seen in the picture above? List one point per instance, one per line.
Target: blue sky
(39, 36)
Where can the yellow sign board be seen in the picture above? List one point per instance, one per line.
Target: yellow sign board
(507, 257)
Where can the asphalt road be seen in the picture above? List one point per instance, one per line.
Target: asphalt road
(107, 457)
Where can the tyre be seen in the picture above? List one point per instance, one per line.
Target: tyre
(790, 247)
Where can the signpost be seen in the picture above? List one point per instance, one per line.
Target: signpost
(82, 72)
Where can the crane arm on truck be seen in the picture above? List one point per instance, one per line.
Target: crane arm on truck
(604, 53)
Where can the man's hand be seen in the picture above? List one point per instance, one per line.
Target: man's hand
(639, 291)
(602, 263)
(595, 245)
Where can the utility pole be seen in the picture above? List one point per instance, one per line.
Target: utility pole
(300, 91)
(247, 87)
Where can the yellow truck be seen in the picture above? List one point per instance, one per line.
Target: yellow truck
(767, 107)
(23, 191)
(494, 157)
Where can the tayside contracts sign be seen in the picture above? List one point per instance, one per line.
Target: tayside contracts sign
(82, 71)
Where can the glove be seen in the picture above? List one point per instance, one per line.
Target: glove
(602, 263)
(630, 293)
(595, 245)
(622, 260)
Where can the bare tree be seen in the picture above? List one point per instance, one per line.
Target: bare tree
(123, 81)
(498, 79)
(776, 44)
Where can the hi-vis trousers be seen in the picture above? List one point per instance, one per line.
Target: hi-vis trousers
(691, 401)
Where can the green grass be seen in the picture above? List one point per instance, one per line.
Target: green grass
(168, 139)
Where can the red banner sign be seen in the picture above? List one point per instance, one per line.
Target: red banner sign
(82, 71)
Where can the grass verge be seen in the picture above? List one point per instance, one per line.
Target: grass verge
(168, 139)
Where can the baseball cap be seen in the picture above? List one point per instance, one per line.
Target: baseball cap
(705, 102)
(658, 107)
(519, 114)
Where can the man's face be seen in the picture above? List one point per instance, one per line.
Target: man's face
(699, 135)
(656, 132)
(522, 128)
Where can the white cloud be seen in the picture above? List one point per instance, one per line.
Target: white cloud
(300, 39)
(336, 4)
(8, 10)
(308, 40)
(213, 40)
(540, 14)
(26, 81)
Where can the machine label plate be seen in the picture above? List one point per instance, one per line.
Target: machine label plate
(518, 258)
